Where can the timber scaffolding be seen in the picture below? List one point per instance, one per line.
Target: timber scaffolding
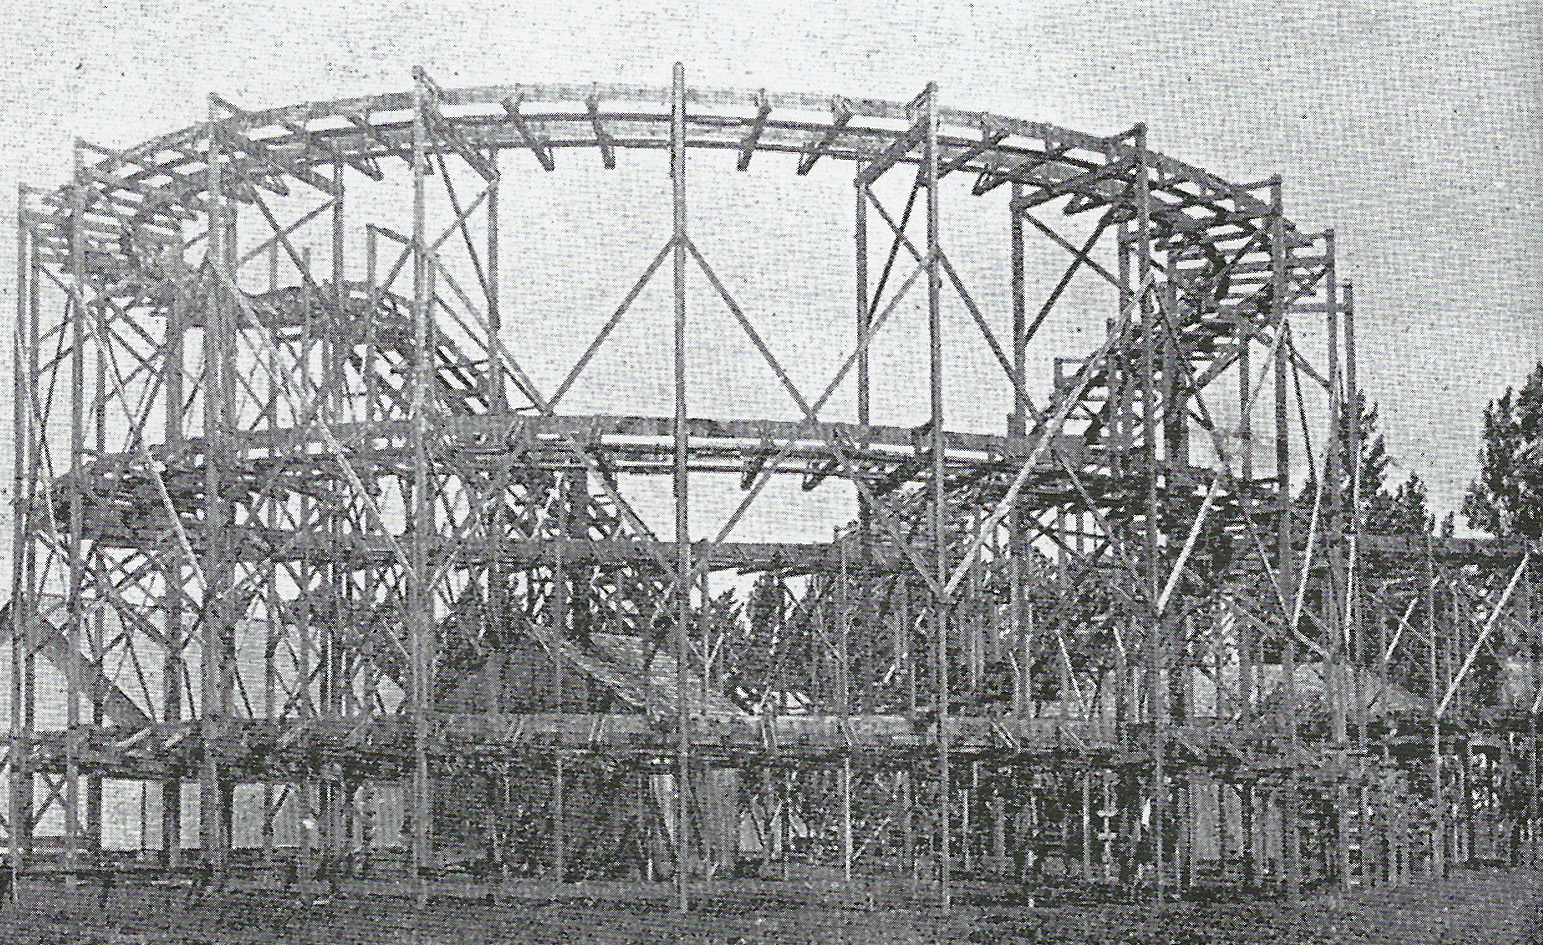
(321, 548)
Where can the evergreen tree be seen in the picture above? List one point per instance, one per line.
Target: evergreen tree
(1386, 509)
(1401, 510)
(1507, 498)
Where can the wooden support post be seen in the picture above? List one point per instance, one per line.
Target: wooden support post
(1152, 426)
(80, 309)
(1184, 814)
(1223, 834)
(1087, 825)
(998, 820)
(680, 484)
(1250, 838)
(217, 634)
(1438, 795)
(1528, 621)
(844, 697)
(908, 827)
(937, 500)
(420, 594)
(1463, 832)
(1285, 552)
(20, 781)
(1017, 426)
(1534, 833)
(1400, 830)
(559, 821)
(784, 822)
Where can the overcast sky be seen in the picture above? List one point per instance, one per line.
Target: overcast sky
(1415, 130)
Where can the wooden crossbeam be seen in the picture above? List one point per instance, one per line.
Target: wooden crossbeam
(892, 155)
(441, 127)
(753, 136)
(538, 145)
(1076, 182)
(114, 190)
(841, 114)
(184, 204)
(461, 738)
(602, 138)
(365, 167)
(989, 180)
(990, 137)
(362, 122)
(268, 157)
(85, 674)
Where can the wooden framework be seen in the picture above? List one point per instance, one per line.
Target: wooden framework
(327, 540)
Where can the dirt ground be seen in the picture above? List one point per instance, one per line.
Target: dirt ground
(1481, 907)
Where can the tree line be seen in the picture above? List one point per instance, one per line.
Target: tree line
(1504, 501)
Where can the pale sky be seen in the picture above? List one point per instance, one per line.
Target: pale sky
(1415, 130)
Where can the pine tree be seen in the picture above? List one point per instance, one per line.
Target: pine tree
(1401, 510)
(1507, 498)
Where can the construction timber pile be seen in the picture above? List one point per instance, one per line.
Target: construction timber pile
(312, 567)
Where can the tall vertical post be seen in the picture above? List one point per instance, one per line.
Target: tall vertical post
(866, 603)
(557, 630)
(1342, 685)
(336, 350)
(1017, 426)
(494, 380)
(1372, 839)
(75, 613)
(864, 513)
(498, 575)
(1246, 636)
(905, 631)
(498, 570)
(273, 624)
(1534, 847)
(1353, 447)
(38, 428)
(1438, 793)
(1531, 823)
(307, 788)
(1339, 683)
(337, 578)
(367, 367)
(1285, 552)
(680, 485)
(1119, 464)
(217, 640)
(307, 569)
(844, 697)
(420, 600)
(864, 307)
(940, 555)
(95, 638)
(172, 568)
(19, 769)
(1152, 575)
(1245, 409)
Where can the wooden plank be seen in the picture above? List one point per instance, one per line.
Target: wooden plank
(539, 146)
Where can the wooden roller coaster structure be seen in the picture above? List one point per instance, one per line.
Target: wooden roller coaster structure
(317, 545)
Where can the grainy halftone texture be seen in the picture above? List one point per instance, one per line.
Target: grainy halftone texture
(1413, 130)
